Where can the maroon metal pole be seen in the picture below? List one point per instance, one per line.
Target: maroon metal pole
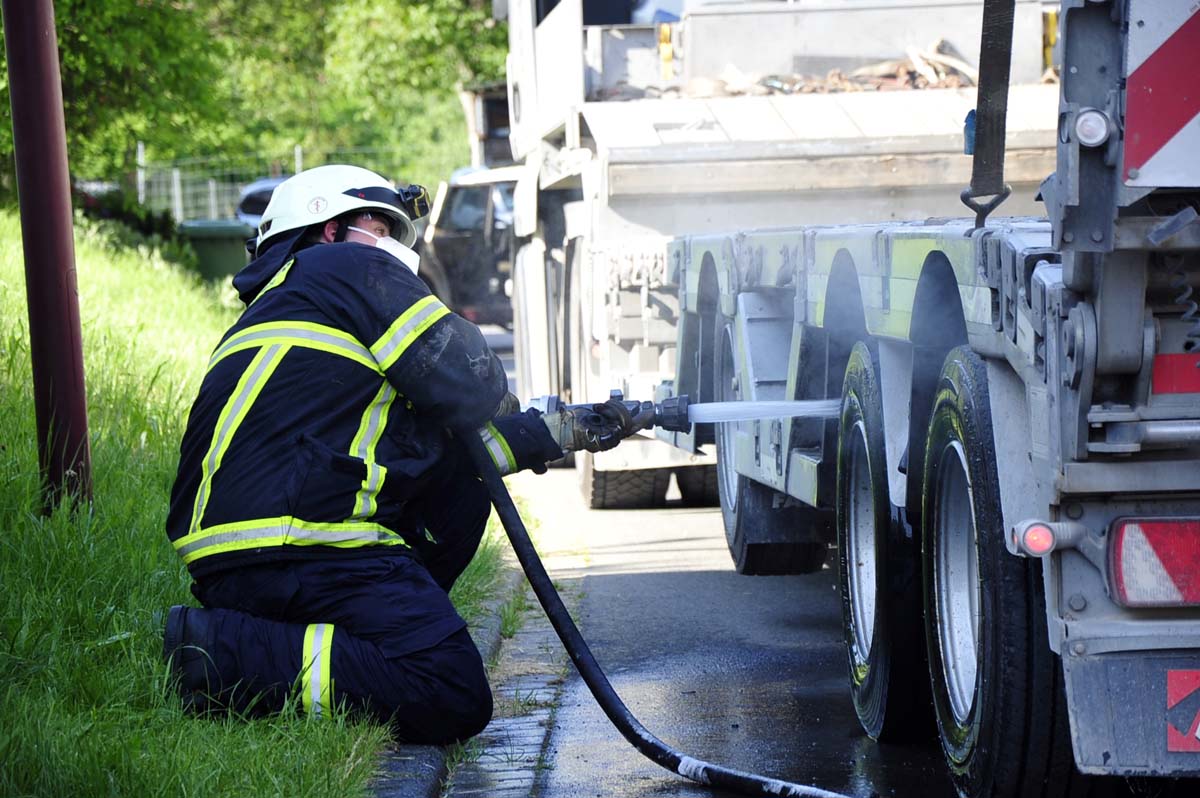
(44, 193)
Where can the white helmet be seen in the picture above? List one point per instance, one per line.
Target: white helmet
(326, 192)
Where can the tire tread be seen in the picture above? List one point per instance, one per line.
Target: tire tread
(698, 486)
(1021, 747)
(625, 490)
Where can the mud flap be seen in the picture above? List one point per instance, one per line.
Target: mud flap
(1135, 713)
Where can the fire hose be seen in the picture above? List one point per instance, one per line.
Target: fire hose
(577, 648)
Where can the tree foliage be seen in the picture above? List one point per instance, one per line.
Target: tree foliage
(201, 77)
(393, 68)
(132, 70)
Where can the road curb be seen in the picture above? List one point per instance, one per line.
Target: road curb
(418, 771)
(527, 685)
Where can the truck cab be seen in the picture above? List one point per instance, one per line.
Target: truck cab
(468, 244)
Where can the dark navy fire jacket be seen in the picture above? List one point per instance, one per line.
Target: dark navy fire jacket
(325, 407)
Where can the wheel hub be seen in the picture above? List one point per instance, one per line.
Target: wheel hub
(956, 577)
(726, 432)
(861, 549)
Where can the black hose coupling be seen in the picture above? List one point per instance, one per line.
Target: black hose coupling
(672, 414)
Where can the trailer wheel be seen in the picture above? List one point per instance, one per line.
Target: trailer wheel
(760, 535)
(878, 568)
(698, 485)
(620, 490)
(997, 687)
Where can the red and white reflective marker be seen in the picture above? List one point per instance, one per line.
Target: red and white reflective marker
(1183, 711)
(1156, 562)
(1176, 373)
(1162, 97)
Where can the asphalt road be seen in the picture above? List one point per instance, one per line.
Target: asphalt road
(746, 672)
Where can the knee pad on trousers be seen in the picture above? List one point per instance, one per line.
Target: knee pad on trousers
(441, 695)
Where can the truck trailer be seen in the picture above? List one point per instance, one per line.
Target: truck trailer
(1012, 483)
(734, 116)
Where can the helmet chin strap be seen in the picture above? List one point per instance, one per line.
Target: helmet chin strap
(340, 235)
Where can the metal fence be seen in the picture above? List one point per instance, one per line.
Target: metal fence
(209, 188)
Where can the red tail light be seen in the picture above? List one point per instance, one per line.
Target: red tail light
(1155, 562)
(1038, 539)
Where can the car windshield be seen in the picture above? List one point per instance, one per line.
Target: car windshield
(254, 199)
(256, 203)
(467, 208)
(502, 200)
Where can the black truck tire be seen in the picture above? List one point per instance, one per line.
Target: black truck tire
(698, 485)
(760, 536)
(620, 490)
(878, 570)
(997, 688)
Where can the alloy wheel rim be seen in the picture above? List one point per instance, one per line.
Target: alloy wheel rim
(956, 581)
(726, 431)
(860, 540)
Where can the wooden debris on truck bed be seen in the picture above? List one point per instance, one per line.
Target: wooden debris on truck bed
(934, 67)
(937, 66)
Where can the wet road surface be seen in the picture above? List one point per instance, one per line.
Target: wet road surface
(745, 672)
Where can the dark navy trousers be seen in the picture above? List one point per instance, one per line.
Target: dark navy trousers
(374, 634)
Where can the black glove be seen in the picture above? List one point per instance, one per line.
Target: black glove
(598, 427)
(630, 416)
(508, 405)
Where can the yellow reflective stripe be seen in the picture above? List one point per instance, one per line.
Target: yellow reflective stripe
(282, 531)
(316, 683)
(278, 278)
(406, 329)
(253, 379)
(296, 333)
(502, 456)
(370, 430)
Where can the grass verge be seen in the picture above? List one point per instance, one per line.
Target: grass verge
(85, 704)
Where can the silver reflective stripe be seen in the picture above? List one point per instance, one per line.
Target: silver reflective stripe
(279, 277)
(231, 417)
(371, 486)
(317, 652)
(368, 437)
(282, 533)
(389, 350)
(496, 449)
(315, 676)
(329, 340)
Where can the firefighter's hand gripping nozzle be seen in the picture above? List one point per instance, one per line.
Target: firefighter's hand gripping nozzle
(601, 426)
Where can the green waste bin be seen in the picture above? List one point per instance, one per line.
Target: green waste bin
(220, 245)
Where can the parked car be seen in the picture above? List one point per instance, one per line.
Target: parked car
(467, 254)
(254, 198)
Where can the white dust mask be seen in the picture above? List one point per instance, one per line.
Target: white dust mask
(404, 254)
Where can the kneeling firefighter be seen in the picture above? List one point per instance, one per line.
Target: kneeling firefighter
(323, 505)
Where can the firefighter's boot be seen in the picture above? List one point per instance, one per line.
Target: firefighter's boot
(185, 648)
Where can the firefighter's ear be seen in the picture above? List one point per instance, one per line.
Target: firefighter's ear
(330, 231)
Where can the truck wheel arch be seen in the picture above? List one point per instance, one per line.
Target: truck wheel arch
(938, 325)
(708, 307)
(844, 319)
(699, 347)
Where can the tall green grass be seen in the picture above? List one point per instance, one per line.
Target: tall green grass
(85, 703)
